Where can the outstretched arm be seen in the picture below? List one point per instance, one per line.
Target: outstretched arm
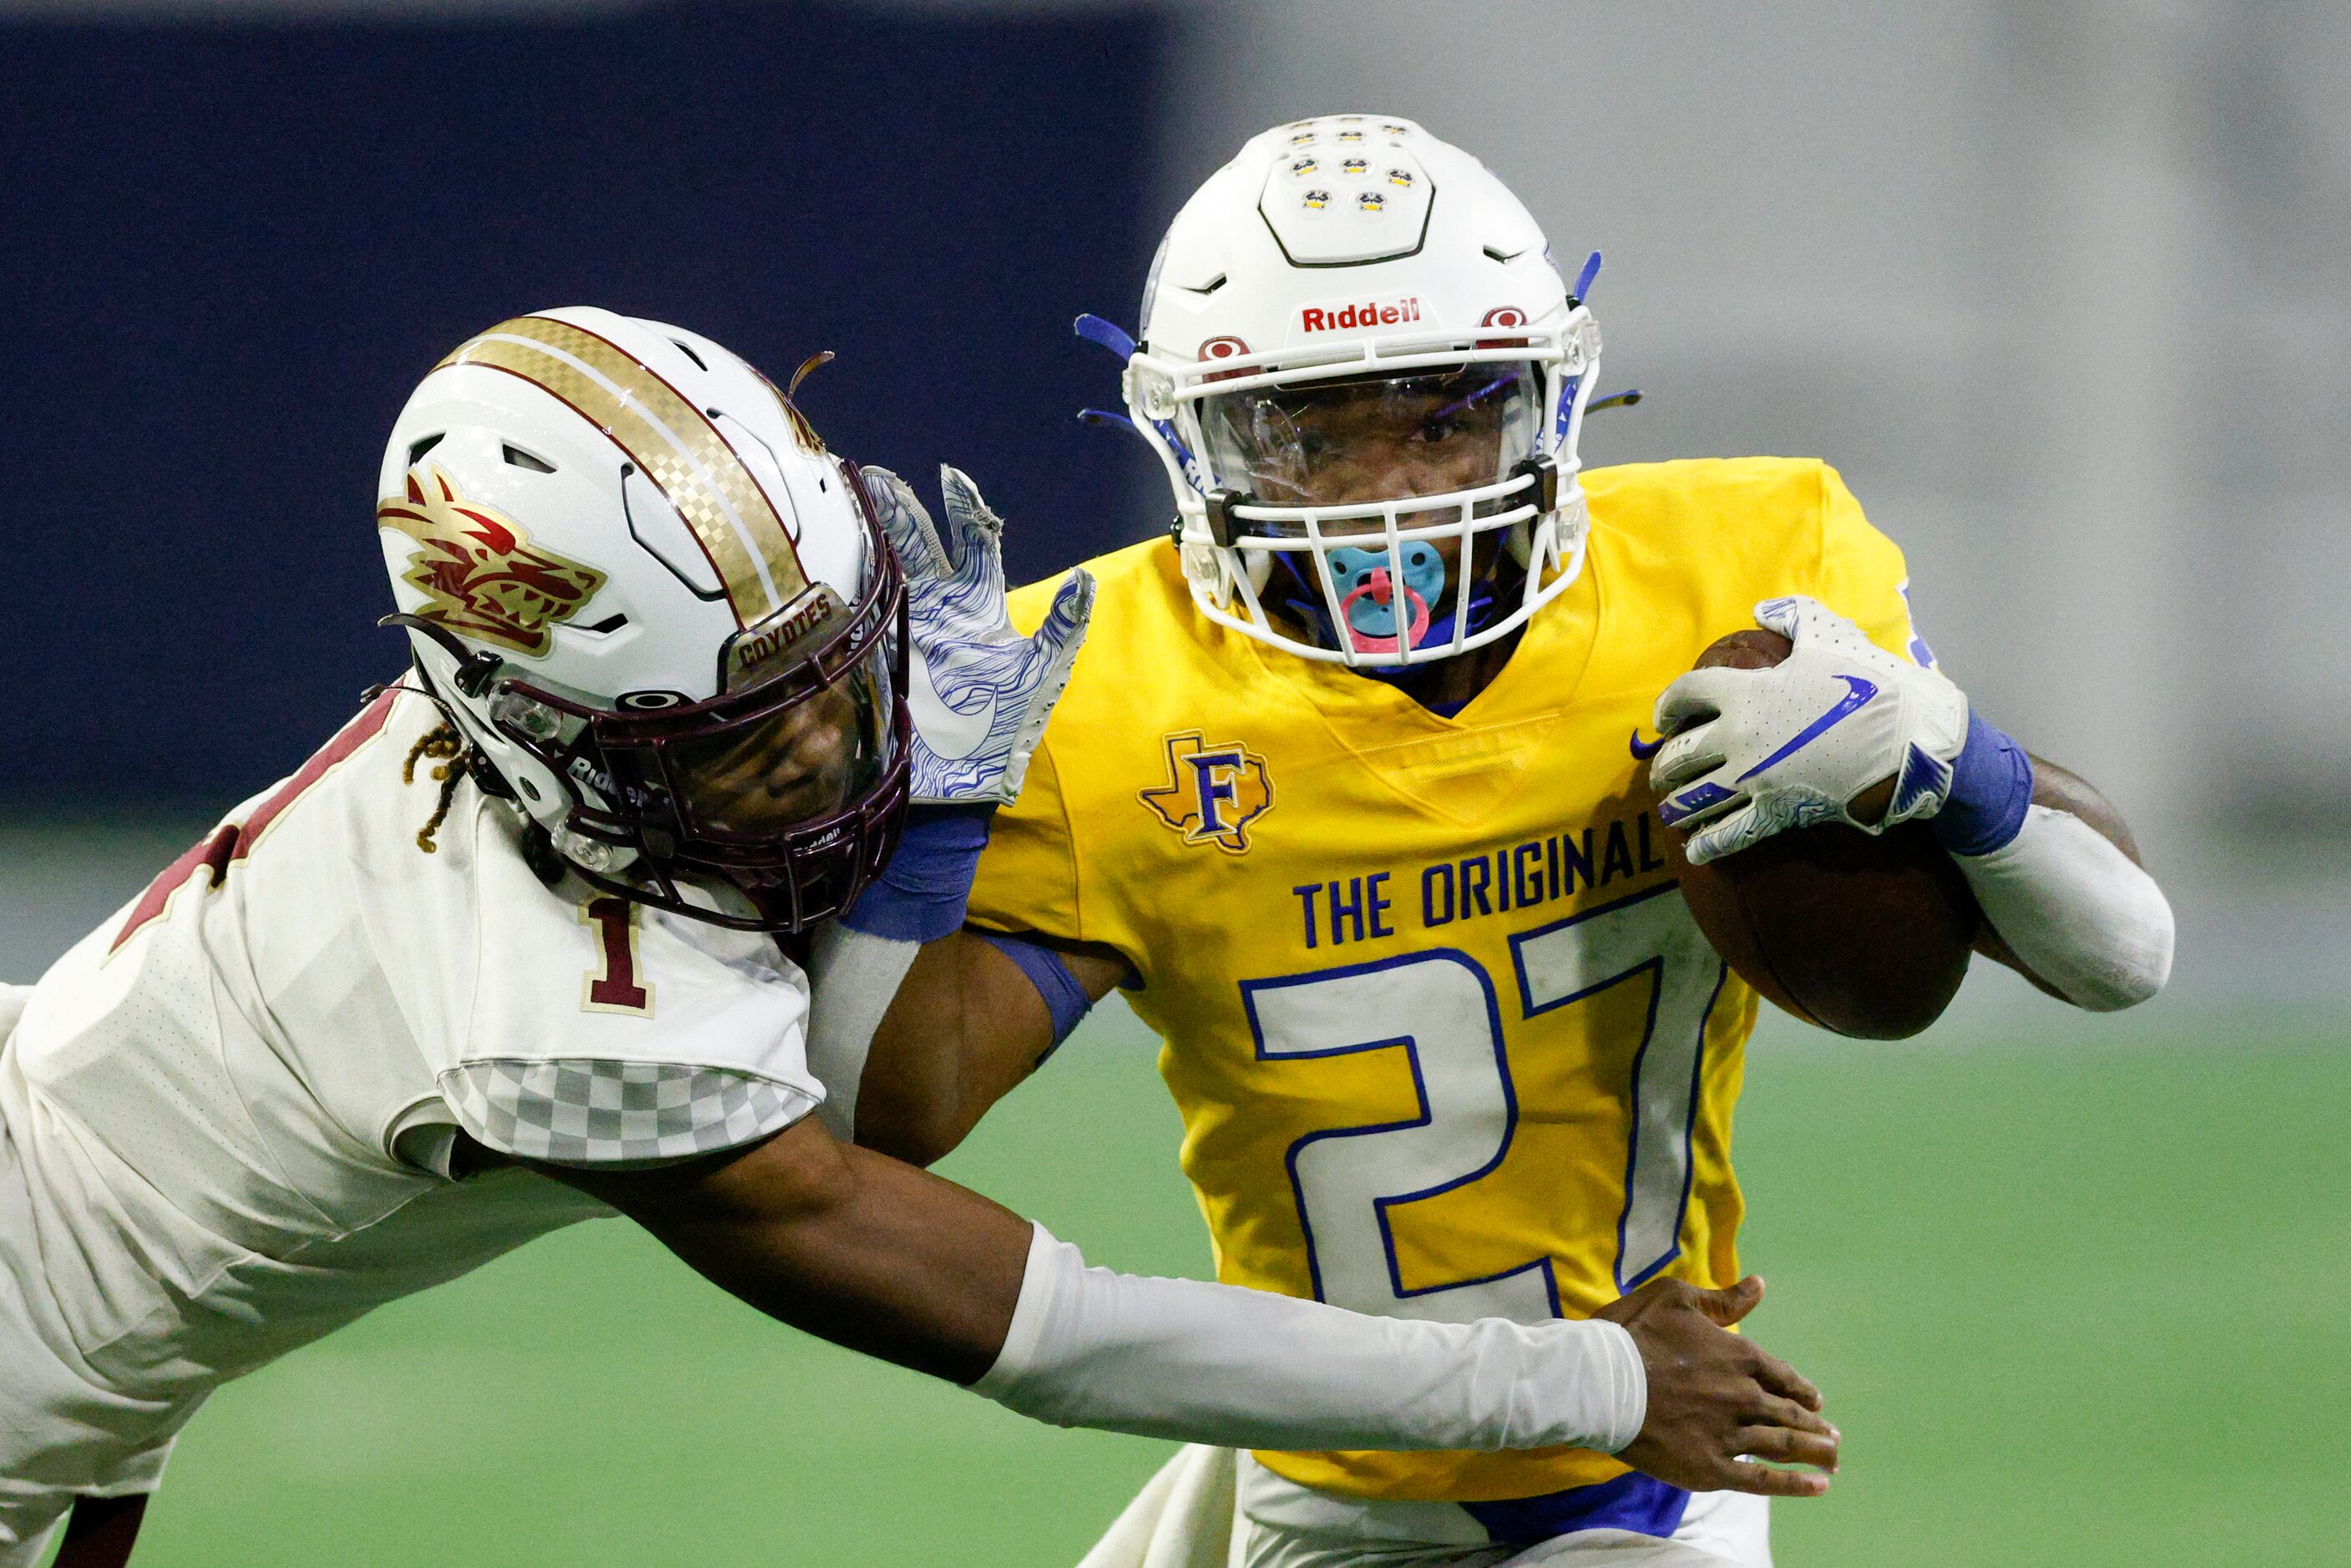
(849, 1246)
(887, 1259)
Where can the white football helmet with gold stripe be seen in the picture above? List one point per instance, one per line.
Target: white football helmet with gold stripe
(662, 614)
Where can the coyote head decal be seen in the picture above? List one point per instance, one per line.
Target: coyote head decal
(480, 577)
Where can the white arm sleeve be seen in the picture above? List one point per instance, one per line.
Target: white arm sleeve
(852, 977)
(1238, 1368)
(2076, 910)
(12, 1008)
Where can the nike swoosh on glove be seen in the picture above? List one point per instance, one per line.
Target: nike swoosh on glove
(1753, 752)
(979, 692)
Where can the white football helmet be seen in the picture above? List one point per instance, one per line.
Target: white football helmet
(661, 613)
(1343, 272)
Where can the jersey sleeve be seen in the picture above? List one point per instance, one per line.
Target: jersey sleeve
(1862, 573)
(580, 1110)
(601, 1032)
(1028, 878)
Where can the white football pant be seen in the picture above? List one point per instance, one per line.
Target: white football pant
(1211, 1507)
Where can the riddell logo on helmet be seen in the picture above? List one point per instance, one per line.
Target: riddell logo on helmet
(1359, 315)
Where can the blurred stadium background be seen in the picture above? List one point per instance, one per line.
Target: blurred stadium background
(2058, 284)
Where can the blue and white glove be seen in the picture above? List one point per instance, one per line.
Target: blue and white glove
(1753, 752)
(981, 691)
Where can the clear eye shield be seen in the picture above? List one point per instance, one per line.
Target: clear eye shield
(1386, 513)
(1375, 437)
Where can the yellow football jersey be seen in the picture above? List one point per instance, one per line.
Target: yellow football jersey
(1446, 1041)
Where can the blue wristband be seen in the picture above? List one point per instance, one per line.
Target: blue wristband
(921, 892)
(1064, 997)
(1991, 785)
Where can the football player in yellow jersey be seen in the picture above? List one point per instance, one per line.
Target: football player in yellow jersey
(1352, 791)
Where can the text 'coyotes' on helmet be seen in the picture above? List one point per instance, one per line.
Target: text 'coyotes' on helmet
(1365, 379)
(661, 612)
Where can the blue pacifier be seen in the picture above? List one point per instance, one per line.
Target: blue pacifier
(1368, 600)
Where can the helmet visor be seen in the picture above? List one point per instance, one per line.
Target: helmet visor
(802, 763)
(1375, 438)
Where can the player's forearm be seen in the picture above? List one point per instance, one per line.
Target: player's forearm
(910, 1015)
(2068, 900)
(964, 1029)
(854, 976)
(1213, 1363)
(878, 1257)
(849, 1245)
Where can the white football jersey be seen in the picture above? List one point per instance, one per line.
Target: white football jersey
(223, 1104)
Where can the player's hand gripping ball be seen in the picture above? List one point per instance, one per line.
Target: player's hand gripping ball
(979, 692)
(1862, 929)
(1754, 750)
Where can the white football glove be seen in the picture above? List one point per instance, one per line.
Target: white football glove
(978, 690)
(1755, 751)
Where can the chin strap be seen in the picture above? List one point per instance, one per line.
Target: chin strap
(472, 759)
(1095, 328)
(1584, 281)
(476, 667)
(1103, 419)
(1112, 335)
(1109, 335)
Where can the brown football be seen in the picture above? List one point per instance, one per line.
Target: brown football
(1865, 936)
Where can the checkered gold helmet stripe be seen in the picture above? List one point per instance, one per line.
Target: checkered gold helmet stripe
(673, 442)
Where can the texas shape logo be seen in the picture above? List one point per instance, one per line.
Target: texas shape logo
(1213, 792)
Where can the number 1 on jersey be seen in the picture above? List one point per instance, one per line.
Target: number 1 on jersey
(613, 986)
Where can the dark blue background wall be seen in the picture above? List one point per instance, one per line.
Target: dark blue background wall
(227, 254)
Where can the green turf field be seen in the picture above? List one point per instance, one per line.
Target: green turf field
(2072, 1303)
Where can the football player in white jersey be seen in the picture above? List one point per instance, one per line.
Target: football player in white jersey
(529, 940)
